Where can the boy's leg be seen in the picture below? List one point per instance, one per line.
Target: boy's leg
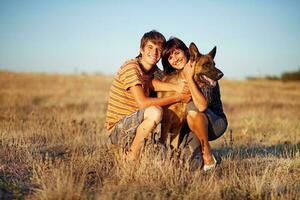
(152, 116)
(124, 131)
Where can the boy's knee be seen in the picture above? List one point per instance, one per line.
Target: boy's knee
(154, 113)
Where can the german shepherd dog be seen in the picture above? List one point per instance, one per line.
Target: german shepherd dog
(206, 75)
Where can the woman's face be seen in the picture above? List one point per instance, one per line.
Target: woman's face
(177, 59)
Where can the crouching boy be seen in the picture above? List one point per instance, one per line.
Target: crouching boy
(132, 114)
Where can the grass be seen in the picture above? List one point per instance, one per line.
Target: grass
(53, 145)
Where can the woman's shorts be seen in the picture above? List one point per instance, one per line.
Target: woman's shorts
(216, 125)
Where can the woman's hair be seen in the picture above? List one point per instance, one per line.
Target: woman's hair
(172, 44)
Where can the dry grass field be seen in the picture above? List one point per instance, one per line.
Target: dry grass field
(53, 145)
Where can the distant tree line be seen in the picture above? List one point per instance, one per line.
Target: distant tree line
(286, 76)
(295, 76)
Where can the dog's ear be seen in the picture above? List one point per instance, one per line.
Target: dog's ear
(212, 53)
(193, 52)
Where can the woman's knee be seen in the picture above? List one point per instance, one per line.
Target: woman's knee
(154, 113)
(197, 118)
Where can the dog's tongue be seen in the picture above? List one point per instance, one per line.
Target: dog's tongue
(211, 82)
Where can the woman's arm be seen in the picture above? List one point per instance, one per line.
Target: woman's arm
(197, 96)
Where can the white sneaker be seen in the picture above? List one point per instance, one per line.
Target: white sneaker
(210, 167)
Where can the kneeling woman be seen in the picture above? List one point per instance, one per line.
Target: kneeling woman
(205, 117)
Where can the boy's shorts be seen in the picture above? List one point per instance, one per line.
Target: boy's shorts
(124, 131)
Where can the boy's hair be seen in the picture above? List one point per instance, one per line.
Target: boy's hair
(154, 36)
(172, 44)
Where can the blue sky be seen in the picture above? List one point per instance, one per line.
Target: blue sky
(253, 38)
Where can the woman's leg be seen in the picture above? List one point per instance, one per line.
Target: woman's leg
(198, 124)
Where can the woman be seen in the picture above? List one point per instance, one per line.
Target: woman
(205, 115)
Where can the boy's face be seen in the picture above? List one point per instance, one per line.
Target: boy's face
(151, 53)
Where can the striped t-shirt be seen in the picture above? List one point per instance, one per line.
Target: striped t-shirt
(121, 102)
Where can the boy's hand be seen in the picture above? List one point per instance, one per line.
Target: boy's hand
(185, 98)
(182, 88)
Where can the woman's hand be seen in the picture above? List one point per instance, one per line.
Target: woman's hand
(189, 70)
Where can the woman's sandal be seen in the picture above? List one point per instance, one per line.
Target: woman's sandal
(207, 168)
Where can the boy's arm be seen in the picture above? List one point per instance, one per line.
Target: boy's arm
(144, 101)
(157, 85)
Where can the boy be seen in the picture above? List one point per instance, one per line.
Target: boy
(132, 114)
